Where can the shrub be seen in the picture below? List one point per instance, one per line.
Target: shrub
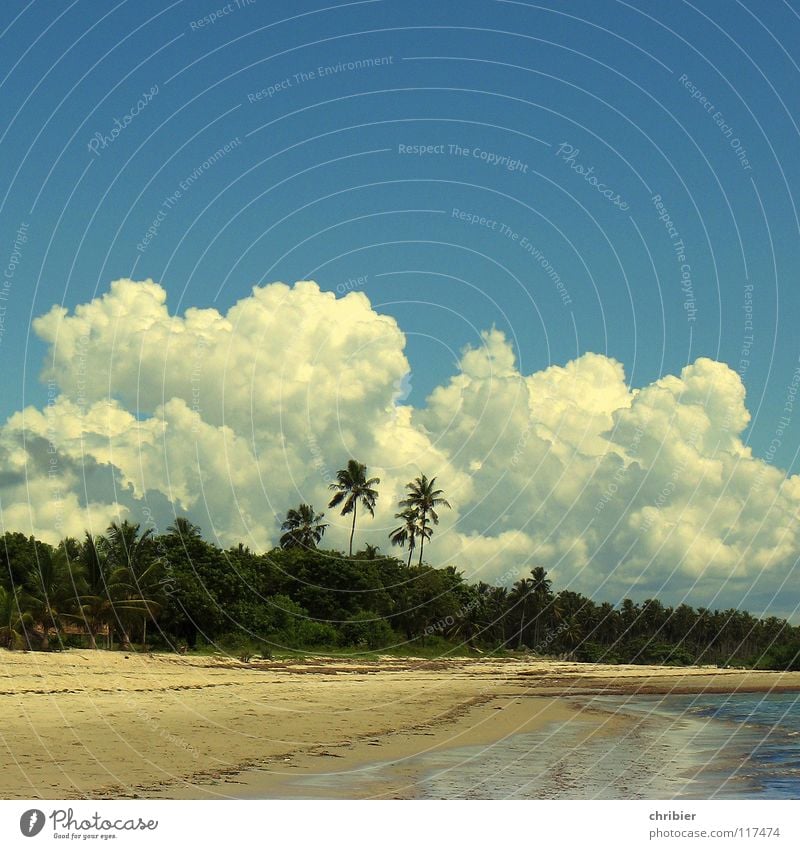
(645, 651)
(595, 653)
(311, 633)
(239, 646)
(783, 658)
(367, 630)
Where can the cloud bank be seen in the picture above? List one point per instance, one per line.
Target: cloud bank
(234, 418)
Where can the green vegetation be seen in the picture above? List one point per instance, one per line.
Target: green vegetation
(353, 488)
(303, 528)
(176, 591)
(420, 508)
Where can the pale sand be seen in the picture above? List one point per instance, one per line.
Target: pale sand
(100, 724)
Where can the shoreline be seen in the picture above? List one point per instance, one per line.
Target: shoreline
(388, 766)
(83, 724)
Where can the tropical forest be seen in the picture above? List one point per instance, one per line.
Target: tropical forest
(135, 589)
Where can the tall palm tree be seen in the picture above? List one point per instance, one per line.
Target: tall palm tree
(353, 487)
(304, 528)
(541, 597)
(424, 499)
(140, 591)
(629, 614)
(96, 605)
(606, 627)
(570, 634)
(52, 596)
(137, 575)
(470, 621)
(520, 596)
(125, 546)
(498, 605)
(407, 532)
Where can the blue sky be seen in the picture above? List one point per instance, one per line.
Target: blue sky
(513, 79)
(317, 187)
(247, 164)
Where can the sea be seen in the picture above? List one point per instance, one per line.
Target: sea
(740, 746)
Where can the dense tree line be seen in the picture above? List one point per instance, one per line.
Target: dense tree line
(177, 591)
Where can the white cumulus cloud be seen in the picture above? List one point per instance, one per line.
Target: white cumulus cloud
(233, 418)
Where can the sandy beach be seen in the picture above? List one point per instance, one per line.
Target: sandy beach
(110, 725)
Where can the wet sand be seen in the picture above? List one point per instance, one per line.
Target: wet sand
(108, 725)
(390, 766)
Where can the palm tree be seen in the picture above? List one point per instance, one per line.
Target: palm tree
(123, 582)
(141, 593)
(96, 606)
(520, 595)
(541, 596)
(407, 532)
(137, 576)
(498, 605)
(304, 528)
(352, 487)
(52, 595)
(570, 634)
(14, 620)
(470, 621)
(606, 628)
(125, 547)
(424, 499)
(184, 529)
(629, 614)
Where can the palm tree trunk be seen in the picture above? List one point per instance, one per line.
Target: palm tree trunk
(410, 552)
(353, 529)
(421, 546)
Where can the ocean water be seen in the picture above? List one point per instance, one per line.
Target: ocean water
(743, 746)
(758, 736)
(655, 747)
